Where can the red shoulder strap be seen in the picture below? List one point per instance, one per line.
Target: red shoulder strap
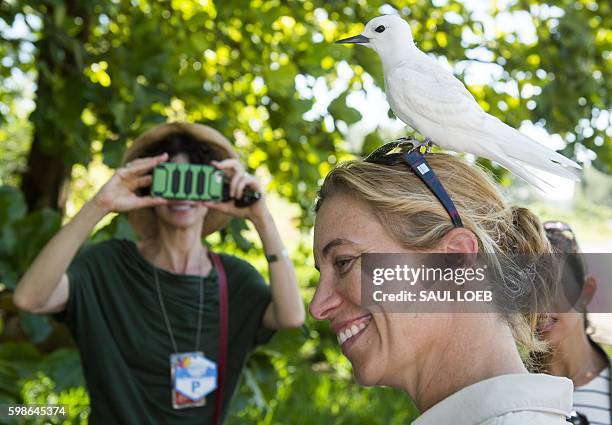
(223, 319)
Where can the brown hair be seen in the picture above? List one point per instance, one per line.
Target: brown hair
(410, 212)
(562, 238)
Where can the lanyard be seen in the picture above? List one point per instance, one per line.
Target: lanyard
(163, 309)
(223, 328)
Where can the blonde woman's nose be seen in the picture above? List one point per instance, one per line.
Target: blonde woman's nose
(324, 302)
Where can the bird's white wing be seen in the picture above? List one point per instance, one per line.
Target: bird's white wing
(425, 95)
(423, 89)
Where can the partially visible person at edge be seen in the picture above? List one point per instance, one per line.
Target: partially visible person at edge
(573, 353)
(113, 294)
(460, 369)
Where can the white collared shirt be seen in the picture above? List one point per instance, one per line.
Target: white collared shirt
(517, 399)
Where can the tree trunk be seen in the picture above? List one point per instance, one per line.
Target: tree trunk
(46, 181)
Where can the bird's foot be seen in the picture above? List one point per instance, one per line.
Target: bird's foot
(426, 143)
(416, 144)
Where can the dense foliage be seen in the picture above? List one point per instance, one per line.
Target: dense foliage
(267, 74)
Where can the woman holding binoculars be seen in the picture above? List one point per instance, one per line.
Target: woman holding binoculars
(164, 325)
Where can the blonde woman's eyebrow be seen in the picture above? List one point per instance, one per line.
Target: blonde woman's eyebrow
(334, 243)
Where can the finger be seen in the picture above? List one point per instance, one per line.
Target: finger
(234, 184)
(136, 161)
(123, 173)
(146, 164)
(229, 166)
(224, 207)
(242, 183)
(150, 201)
(143, 181)
(227, 163)
(253, 183)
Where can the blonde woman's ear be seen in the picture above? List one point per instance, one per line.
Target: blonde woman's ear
(459, 240)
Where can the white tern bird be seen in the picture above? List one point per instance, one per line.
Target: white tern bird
(432, 101)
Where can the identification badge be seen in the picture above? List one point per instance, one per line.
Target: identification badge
(193, 378)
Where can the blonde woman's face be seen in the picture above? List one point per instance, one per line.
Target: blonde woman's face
(379, 344)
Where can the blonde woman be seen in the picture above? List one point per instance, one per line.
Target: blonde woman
(163, 324)
(460, 369)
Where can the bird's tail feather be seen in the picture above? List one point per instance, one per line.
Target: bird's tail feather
(537, 161)
(519, 170)
(522, 148)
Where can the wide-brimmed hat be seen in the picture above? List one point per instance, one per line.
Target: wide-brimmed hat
(143, 220)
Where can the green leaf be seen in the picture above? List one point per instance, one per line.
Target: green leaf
(64, 367)
(32, 233)
(8, 274)
(12, 205)
(113, 153)
(119, 111)
(119, 228)
(37, 327)
(12, 208)
(372, 142)
(9, 375)
(22, 356)
(281, 80)
(258, 397)
(235, 228)
(341, 111)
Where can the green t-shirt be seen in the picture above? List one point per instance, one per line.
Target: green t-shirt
(114, 314)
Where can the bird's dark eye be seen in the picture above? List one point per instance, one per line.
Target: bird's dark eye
(380, 28)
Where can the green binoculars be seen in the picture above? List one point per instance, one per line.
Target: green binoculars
(195, 182)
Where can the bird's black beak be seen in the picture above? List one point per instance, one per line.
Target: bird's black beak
(359, 39)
